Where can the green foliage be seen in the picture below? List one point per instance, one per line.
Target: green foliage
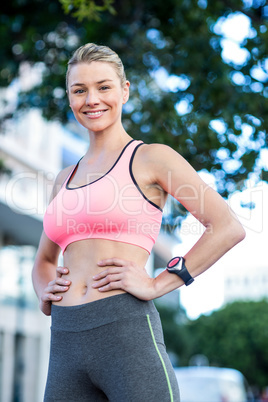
(3, 168)
(176, 37)
(235, 336)
(173, 320)
(87, 9)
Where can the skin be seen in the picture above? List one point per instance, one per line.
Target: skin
(94, 268)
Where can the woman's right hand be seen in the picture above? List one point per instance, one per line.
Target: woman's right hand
(58, 285)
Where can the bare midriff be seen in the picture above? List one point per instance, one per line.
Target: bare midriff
(82, 257)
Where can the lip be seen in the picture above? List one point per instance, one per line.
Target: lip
(94, 114)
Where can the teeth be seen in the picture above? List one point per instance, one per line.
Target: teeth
(94, 113)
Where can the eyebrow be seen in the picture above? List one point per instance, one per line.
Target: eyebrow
(80, 84)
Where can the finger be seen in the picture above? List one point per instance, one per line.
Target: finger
(108, 279)
(109, 271)
(61, 271)
(113, 261)
(55, 297)
(62, 282)
(111, 286)
(56, 289)
(50, 297)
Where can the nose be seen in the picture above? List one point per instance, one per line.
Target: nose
(92, 98)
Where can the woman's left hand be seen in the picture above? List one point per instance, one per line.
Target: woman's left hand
(124, 275)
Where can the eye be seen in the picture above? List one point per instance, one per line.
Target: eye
(104, 88)
(79, 91)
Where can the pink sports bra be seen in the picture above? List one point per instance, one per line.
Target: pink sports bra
(113, 207)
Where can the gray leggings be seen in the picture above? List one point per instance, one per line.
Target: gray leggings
(109, 350)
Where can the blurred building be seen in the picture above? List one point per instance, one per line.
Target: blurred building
(246, 267)
(249, 283)
(33, 151)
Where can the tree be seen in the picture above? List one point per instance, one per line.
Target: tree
(235, 336)
(180, 39)
(87, 9)
(173, 319)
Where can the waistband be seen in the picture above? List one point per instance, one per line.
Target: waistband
(91, 315)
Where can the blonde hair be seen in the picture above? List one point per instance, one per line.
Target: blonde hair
(92, 52)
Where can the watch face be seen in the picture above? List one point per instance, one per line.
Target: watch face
(173, 262)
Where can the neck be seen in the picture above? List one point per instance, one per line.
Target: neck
(108, 141)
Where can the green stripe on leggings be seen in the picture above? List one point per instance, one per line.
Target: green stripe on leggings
(161, 358)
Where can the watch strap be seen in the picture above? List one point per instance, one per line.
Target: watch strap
(177, 266)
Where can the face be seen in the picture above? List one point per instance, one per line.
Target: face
(96, 95)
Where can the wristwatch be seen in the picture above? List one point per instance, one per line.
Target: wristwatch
(177, 266)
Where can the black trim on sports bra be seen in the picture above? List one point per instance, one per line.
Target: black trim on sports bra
(94, 181)
(135, 182)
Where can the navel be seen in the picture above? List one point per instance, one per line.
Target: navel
(84, 290)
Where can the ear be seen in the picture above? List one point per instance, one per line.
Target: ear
(126, 92)
(67, 93)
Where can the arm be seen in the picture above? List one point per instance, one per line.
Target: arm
(46, 275)
(222, 229)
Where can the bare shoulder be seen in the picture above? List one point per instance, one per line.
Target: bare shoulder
(167, 168)
(160, 156)
(63, 174)
(60, 179)
(156, 150)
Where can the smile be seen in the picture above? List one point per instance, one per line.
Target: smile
(95, 114)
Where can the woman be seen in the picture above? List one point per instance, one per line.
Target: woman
(105, 214)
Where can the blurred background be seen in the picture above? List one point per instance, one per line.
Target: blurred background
(199, 74)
